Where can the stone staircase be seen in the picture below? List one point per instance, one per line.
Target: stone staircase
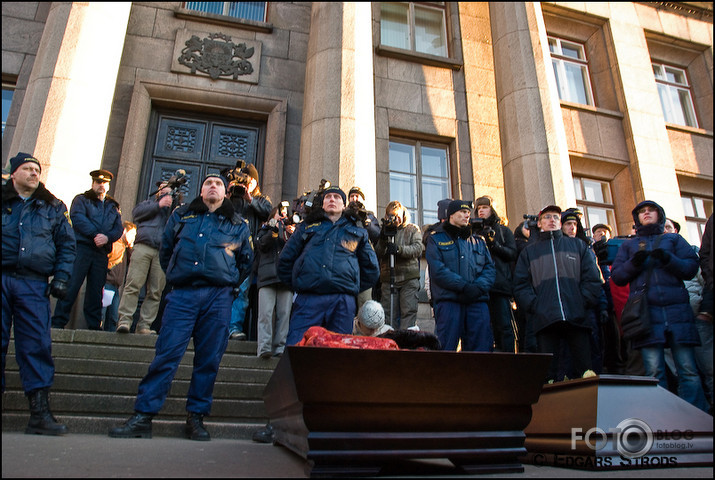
(97, 375)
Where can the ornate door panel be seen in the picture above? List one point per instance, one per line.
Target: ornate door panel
(199, 146)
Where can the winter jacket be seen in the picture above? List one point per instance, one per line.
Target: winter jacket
(668, 300)
(706, 253)
(269, 242)
(150, 220)
(323, 257)
(556, 280)
(456, 259)
(255, 212)
(40, 242)
(503, 252)
(90, 216)
(200, 248)
(407, 260)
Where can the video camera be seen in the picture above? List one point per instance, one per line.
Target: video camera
(175, 182)
(311, 199)
(389, 225)
(237, 180)
(479, 228)
(359, 209)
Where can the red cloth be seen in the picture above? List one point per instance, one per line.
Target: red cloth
(619, 296)
(320, 337)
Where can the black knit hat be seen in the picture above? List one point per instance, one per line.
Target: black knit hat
(21, 158)
(335, 189)
(457, 205)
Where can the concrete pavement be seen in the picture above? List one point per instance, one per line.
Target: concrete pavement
(88, 456)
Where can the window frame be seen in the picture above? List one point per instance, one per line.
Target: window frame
(417, 214)
(670, 85)
(412, 38)
(696, 221)
(227, 8)
(584, 204)
(558, 59)
(7, 86)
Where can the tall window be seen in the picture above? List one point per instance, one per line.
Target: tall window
(419, 27)
(674, 93)
(246, 10)
(571, 71)
(697, 211)
(593, 197)
(419, 178)
(8, 90)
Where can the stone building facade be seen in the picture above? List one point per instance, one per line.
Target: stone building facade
(317, 90)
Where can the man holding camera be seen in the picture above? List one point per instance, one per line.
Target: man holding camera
(399, 248)
(37, 243)
(150, 217)
(502, 247)
(461, 275)
(327, 262)
(255, 207)
(97, 223)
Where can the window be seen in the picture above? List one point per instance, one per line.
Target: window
(8, 90)
(419, 27)
(593, 197)
(419, 178)
(245, 10)
(571, 71)
(697, 211)
(674, 93)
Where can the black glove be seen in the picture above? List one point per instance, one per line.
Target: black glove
(489, 235)
(57, 288)
(391, 248)
(603, 317)
(639, 258)
(472, 290)
(601, 250)
(661, 255)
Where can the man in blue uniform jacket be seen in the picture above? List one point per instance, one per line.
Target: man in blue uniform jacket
(37, 243)
(206, 252)
(97, 223)
(327, 262)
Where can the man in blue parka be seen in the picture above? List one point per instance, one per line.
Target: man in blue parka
(672, 321)
(37, 243)
(206, 252)
(327, 262)
(461, 274)
(97, 223)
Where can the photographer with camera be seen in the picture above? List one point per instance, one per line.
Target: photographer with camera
(247, 200)
(399, 248)
(502, 247)
(356, 209)
(327, 262)
(150, 217)
(461, 275)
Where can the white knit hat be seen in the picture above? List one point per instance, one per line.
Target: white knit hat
(371, 315)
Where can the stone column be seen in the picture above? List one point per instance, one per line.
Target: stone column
(338, 133)
(652, 167)
(534, 149)
(65, 112)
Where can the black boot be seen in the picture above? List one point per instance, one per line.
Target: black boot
(138, 426)
(267, 435)
(41, 419)
(195, 427)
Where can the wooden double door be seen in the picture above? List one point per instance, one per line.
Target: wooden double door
(199, 145)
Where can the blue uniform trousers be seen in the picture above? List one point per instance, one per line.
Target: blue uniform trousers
(90, 263)
(24, 304)
(469, 322)
(334, 312)
(199, 312)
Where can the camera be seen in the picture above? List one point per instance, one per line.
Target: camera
(237, 180)
(359, 210)
(175, 182)
(311, 199)
(389, 225)
(531, 221)
(479, 228)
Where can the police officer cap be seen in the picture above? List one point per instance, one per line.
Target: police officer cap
(21, 158)
(457, 205)
(101, 175)
(358, 191)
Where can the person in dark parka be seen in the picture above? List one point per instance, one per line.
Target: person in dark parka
(671, 317)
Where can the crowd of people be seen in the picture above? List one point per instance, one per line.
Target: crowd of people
(228, 262)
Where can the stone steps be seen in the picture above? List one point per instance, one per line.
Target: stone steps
(97, 375)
